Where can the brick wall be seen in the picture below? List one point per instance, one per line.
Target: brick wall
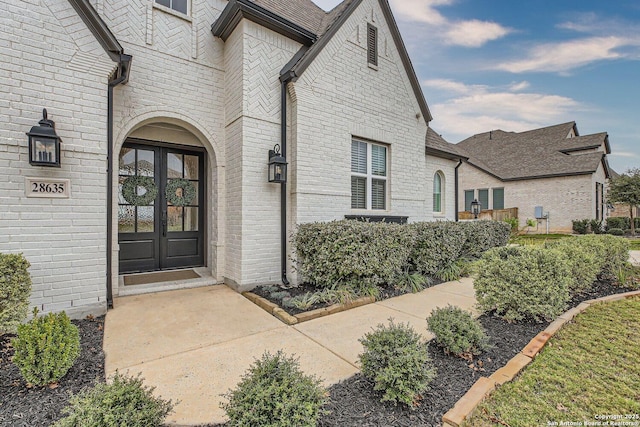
(51, 60)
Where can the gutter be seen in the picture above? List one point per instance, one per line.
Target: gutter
(457, 189)
(120, 76)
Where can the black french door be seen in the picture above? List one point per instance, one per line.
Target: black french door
(160, 207)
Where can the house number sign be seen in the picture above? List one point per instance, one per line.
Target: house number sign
(50, 188)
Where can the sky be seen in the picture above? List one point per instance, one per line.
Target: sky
(521, 65)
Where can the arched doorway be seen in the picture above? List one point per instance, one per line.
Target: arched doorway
(161, 206)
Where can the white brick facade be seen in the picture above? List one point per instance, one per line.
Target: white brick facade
(189, 88)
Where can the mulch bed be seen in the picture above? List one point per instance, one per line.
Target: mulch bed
(353, 402)
(22, 406)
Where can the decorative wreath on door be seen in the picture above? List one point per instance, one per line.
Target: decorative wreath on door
(184, 197)
(130, 190)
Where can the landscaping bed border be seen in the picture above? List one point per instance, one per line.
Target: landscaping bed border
(484, 386)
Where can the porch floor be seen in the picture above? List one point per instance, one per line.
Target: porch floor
(194, 345)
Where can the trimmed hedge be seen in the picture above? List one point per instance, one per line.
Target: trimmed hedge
(437, 245)
(361, 254)
(623, 223)
(611, 251)
(523, 283)
(352, 253)
(15, 290)
(584, 263)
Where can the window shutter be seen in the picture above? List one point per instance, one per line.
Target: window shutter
(483, 198)
(378, 160)
(498, 198)
(468, 199)
(358, 157)
(378, 194)
(358, 193)
(372, 44)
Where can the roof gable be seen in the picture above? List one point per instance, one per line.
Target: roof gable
(303, 21)
(538, 153)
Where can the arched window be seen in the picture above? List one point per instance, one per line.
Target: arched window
(437, 192)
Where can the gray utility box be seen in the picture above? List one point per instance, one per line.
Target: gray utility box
(540, 212)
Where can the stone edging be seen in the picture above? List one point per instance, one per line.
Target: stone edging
(287, 318)
(484, 386)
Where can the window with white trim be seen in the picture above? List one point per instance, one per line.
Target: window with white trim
(181, 6)
(368, 175)
(438, 180)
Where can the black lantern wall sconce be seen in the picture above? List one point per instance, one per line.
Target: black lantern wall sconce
(44, 143)
(277, 166)
(475, 208)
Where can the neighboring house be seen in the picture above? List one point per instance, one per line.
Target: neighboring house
(621, 210)
(551, 174)
(168, 110)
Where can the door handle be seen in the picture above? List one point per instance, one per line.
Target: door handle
(164, 224)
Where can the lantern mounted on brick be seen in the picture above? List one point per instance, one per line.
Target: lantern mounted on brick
(277, 166)
(44, 143)
(475, 208)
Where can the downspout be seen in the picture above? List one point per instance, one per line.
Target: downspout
(457, 185)
(120, 76)
(283, 187)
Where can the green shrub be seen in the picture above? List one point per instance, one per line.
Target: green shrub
(584, 264)
(398, 363)
(453, 271)
(412, 282)
(46, 348)
(15, 290)
(616, 232)
(304, 301)
(123, 402)
(612, 251)
(352, 253)
(437, 246)
(456, 331)
(274, 392)
(523, 282)
(581, 226)
(514, 223)
(596, 226)
(482, 236)
(618, 222)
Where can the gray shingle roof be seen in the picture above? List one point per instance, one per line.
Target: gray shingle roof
(304, 13)
(436, 145)
(536, 153)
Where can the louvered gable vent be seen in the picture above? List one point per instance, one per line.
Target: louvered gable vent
(372, 45)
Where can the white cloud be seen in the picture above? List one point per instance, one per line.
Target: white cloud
(474, 109)
(565, 56)
(518, 86)
(474, 33)
(470, 33)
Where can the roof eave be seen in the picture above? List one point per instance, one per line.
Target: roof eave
(238, 9)
(99, 29)
(555, 175)
(444, 154)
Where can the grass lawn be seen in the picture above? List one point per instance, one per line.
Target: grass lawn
(588, 369)
(635, 244)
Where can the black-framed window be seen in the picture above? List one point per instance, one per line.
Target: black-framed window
(181, 6)
(372, 44)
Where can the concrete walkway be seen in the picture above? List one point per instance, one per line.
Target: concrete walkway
(194, 345)
(634, 258)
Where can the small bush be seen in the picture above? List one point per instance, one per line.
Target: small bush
(596, 226)
(123, 402)
(514, 223)
(451, 272)
(584, 264)
(525, 282)
(46, 348)
(398, 363)
(437, 245)
(616, 232)
(15, 290)
(274, 392)
(581, 226)
(612, 252)
(456, 331)
(352, 253)
(482, 236)
(412, 282)
(618, 222)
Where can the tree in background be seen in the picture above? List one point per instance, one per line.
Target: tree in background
(626, 189)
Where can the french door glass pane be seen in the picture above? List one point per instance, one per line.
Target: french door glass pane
(358, 193)
(190, 219)
(127, 161)
(146, 219)
(126, 219)
(191, 167)
(174, 218)
(146, 163)
(378, 160)
(358, 157)
(174, 165)
(378, 194)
